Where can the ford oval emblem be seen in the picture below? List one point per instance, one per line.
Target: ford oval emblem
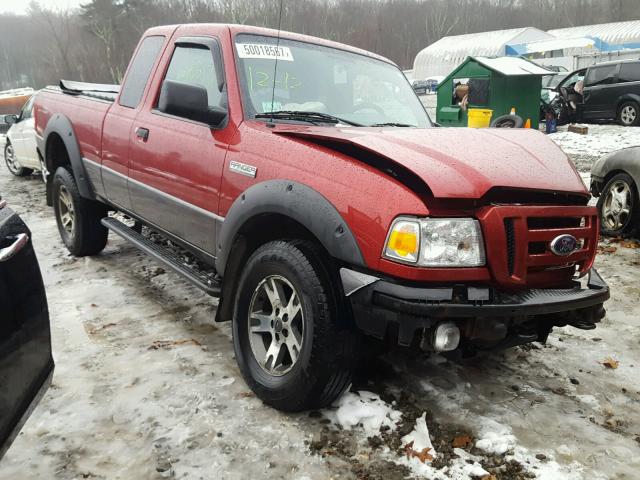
(564, 245)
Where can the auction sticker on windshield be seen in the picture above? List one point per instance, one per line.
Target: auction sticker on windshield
(260, 50)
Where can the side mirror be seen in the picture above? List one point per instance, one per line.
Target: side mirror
(189, 101)
(10, 119)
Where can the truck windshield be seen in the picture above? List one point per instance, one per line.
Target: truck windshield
(360, 90)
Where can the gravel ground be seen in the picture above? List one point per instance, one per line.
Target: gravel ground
(146, 387)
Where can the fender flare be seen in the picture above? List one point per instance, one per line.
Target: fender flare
(626, 160)
(627, 97)
(62, 126)
(298, 202)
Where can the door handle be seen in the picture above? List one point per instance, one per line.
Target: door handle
(8, 252)
(142, 133)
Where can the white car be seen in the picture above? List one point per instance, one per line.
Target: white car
(20, 152)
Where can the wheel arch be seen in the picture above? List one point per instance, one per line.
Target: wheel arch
(627, 97)
(272, 210)
(60, 147)
(626, 160)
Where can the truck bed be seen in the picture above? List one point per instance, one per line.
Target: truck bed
(97, 91)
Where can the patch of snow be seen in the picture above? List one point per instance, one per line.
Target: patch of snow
(459, 469)
(495, 438)
(420, 437)
(363, 408)
(589, 400)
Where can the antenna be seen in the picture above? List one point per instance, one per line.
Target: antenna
(275, 67)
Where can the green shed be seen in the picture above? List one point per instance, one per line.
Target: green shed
(498, 84)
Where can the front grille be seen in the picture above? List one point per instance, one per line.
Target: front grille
(511, 243)
(518, 239)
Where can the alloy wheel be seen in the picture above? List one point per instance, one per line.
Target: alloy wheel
(12, 162)
(628, 115)
(617, 206)
(276, 325)
(66, 210)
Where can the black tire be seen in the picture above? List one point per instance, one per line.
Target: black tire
(613, 222)
(507, 121)
(14, 168)
(85, 235)
(328, 352)
(628, 114)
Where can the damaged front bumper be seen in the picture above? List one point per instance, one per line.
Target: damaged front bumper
(486, 316)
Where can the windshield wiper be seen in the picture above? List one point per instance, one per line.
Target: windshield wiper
(391, 124)
(305, 116)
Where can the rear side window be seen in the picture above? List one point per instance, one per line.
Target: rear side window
(195, 65)
(140, 70)
(601, 75)
(630, 72)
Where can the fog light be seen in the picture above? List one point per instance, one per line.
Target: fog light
(446, 337)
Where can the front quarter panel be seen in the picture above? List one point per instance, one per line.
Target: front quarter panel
(366, 199)
(625, 160)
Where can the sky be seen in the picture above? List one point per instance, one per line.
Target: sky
(21, 6)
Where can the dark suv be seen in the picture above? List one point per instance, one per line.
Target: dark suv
(609, 91)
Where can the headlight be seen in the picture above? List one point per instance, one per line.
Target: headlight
(436, 242)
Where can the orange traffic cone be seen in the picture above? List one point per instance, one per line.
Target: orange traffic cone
(527, 124)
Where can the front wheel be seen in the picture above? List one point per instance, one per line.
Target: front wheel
(287, 337)
(12, 162)
(618, 206)
(78, 218)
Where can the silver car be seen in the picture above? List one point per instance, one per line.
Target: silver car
(615, 179)
(20, 152)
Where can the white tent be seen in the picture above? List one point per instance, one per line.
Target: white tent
(441, 57)
(616, 33)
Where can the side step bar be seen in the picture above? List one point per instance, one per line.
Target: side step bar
(203, 280)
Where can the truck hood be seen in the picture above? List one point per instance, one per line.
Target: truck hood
(459, 162)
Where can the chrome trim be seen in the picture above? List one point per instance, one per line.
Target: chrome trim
(8, 252)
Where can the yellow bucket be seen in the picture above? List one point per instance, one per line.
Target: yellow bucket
(479, 117)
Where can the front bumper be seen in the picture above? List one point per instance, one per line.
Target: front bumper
(380, 306)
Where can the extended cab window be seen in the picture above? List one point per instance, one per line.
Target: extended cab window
(140, 70)
(601, 75)
(320, 79)
(195, 65)
(630, 72)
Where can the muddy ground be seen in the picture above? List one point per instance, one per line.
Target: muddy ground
(146, 387)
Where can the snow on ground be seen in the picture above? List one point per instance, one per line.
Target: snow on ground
(364, 409)
(146, 385)
(600, 140)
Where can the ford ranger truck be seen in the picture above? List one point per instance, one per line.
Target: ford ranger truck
(319, 203)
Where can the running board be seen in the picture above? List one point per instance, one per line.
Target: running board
(201, 279)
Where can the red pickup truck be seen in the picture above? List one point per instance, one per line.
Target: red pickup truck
(320, 203)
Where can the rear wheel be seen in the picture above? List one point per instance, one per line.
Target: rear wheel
(629, 114)
(290, 349)
(12, 162)
(618, 206)
(78, 218)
